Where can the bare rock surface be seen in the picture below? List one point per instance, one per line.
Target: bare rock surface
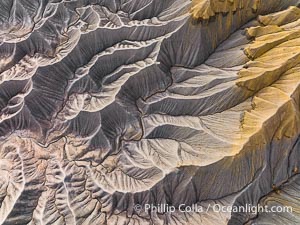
(106, 105)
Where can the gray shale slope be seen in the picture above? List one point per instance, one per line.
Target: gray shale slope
(110, 104)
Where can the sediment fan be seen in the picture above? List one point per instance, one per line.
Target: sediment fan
(105, 105)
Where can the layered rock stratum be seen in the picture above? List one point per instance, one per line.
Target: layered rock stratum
(110, 104)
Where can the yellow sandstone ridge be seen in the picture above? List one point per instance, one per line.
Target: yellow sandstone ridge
(275, 49)
(260, 31)
(273, 75)
(281, 18)
(204, 9)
